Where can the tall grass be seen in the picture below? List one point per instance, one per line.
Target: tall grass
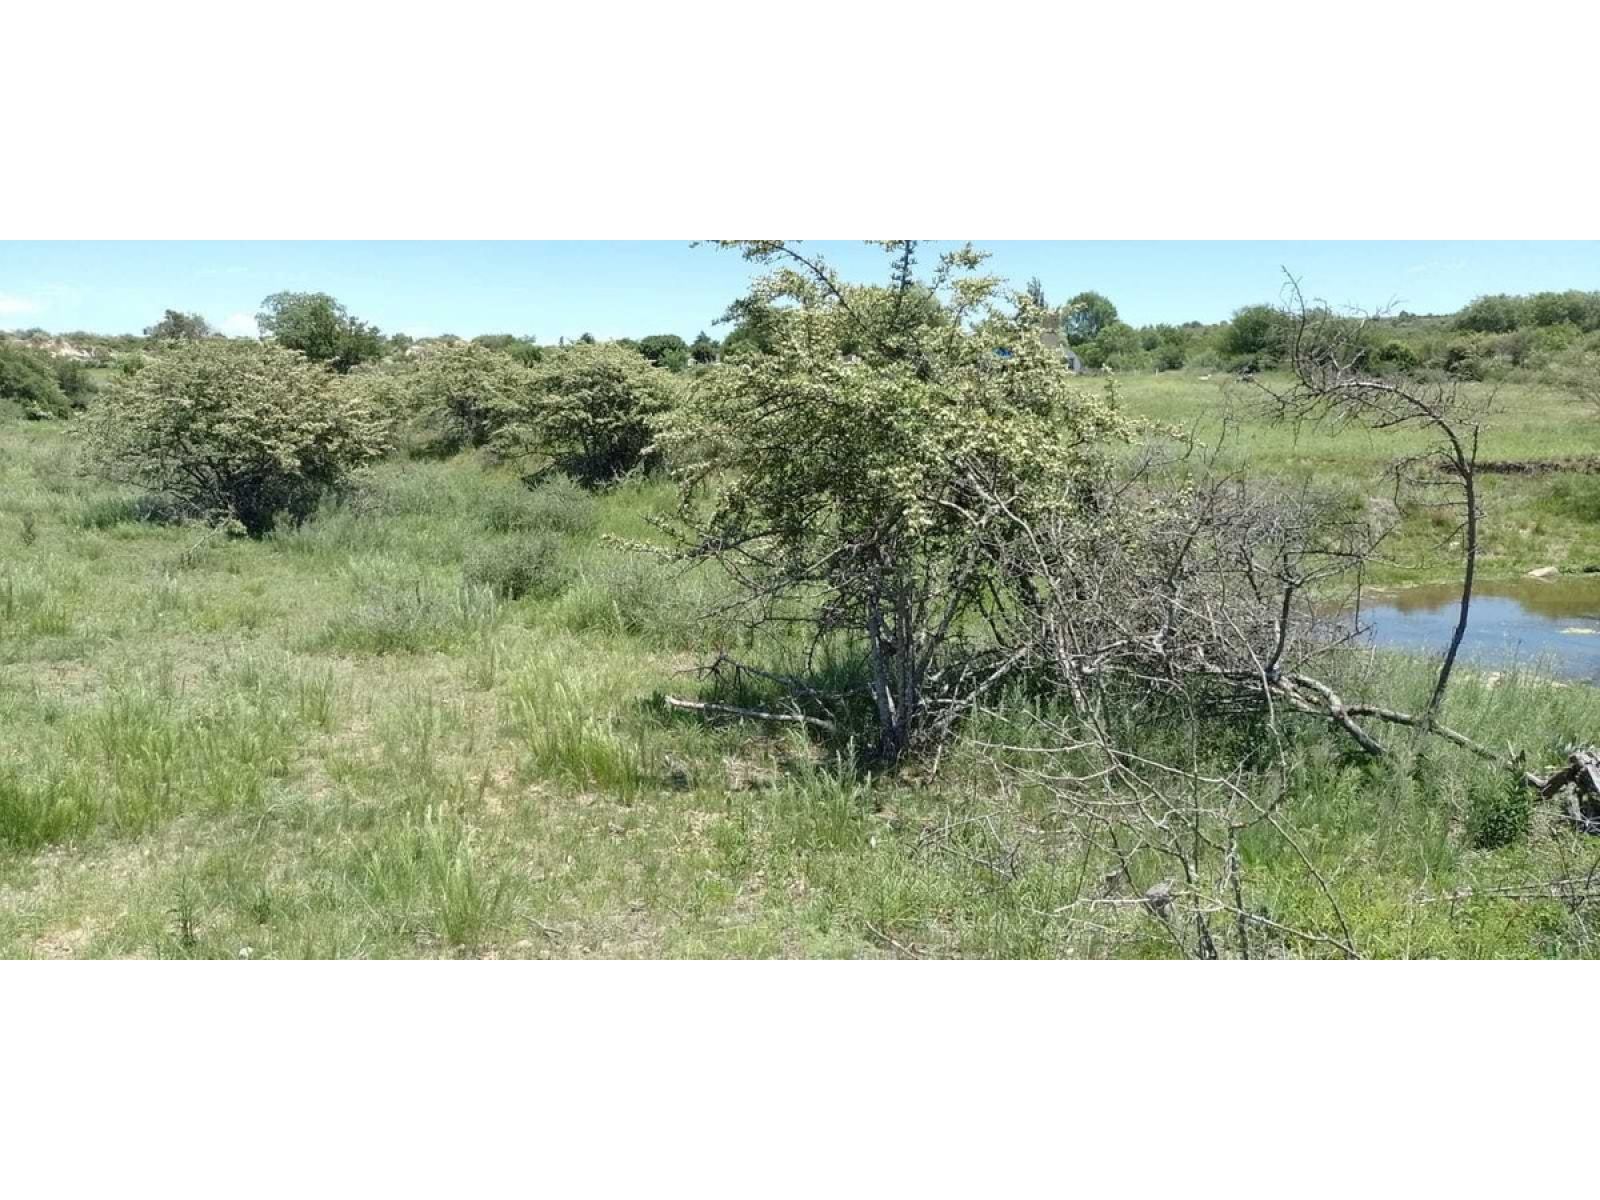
(429, 876)
(394, 613)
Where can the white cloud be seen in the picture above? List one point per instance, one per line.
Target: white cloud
(239, 325)
(16, 304)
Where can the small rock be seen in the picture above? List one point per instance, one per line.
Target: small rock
(1544, 572)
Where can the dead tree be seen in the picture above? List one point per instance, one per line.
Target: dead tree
(1188, 606)
(1331, 383)
(1197, 594)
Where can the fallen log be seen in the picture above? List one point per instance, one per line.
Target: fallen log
(752, 713)
(1582, 774)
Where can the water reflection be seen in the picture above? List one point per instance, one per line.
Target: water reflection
(1551, 622)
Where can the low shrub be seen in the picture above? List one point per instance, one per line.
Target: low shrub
(35, 813)
(431, 872)
(1574, 496)
(623, 593)
(107, 513)
(1396, 356)
(558, 505)
(1499, 813)
(514, 567)
(410, 618)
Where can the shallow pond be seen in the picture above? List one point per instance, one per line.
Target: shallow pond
(1551, 623)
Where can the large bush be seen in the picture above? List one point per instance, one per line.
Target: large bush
(1465, 357)
(232, 430)
(472, 390)
(76, 384)
(1255, 336)
(868, 474)
(29, 381)
(387, 389)
(590, 414)
(1493, 314)
(524, 350)
(1117, 346)
(1394, 355)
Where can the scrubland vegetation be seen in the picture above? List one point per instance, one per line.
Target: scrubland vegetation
(870, 630)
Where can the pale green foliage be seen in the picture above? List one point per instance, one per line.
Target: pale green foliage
(877, 459)
(590, 413)
(473, 389)
(232, 430)
(387, 389)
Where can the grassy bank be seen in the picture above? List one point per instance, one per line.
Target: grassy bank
(353, 739)
(1536, 519)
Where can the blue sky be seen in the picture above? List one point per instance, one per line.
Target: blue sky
(615, 289)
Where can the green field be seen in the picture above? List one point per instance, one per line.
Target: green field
(1531, 519)
(329, 742)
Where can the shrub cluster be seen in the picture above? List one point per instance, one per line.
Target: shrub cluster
(1503, 314)
(30, 382)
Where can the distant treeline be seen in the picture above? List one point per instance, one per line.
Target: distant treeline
(1493, 336)
(324, 331)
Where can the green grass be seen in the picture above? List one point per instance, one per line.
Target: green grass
(1531, 520)
(329, 743)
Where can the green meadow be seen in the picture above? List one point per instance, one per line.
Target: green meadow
(429, 722)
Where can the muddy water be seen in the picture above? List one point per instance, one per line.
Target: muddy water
(1552, 624)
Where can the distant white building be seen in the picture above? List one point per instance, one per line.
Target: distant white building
(1055, 341)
